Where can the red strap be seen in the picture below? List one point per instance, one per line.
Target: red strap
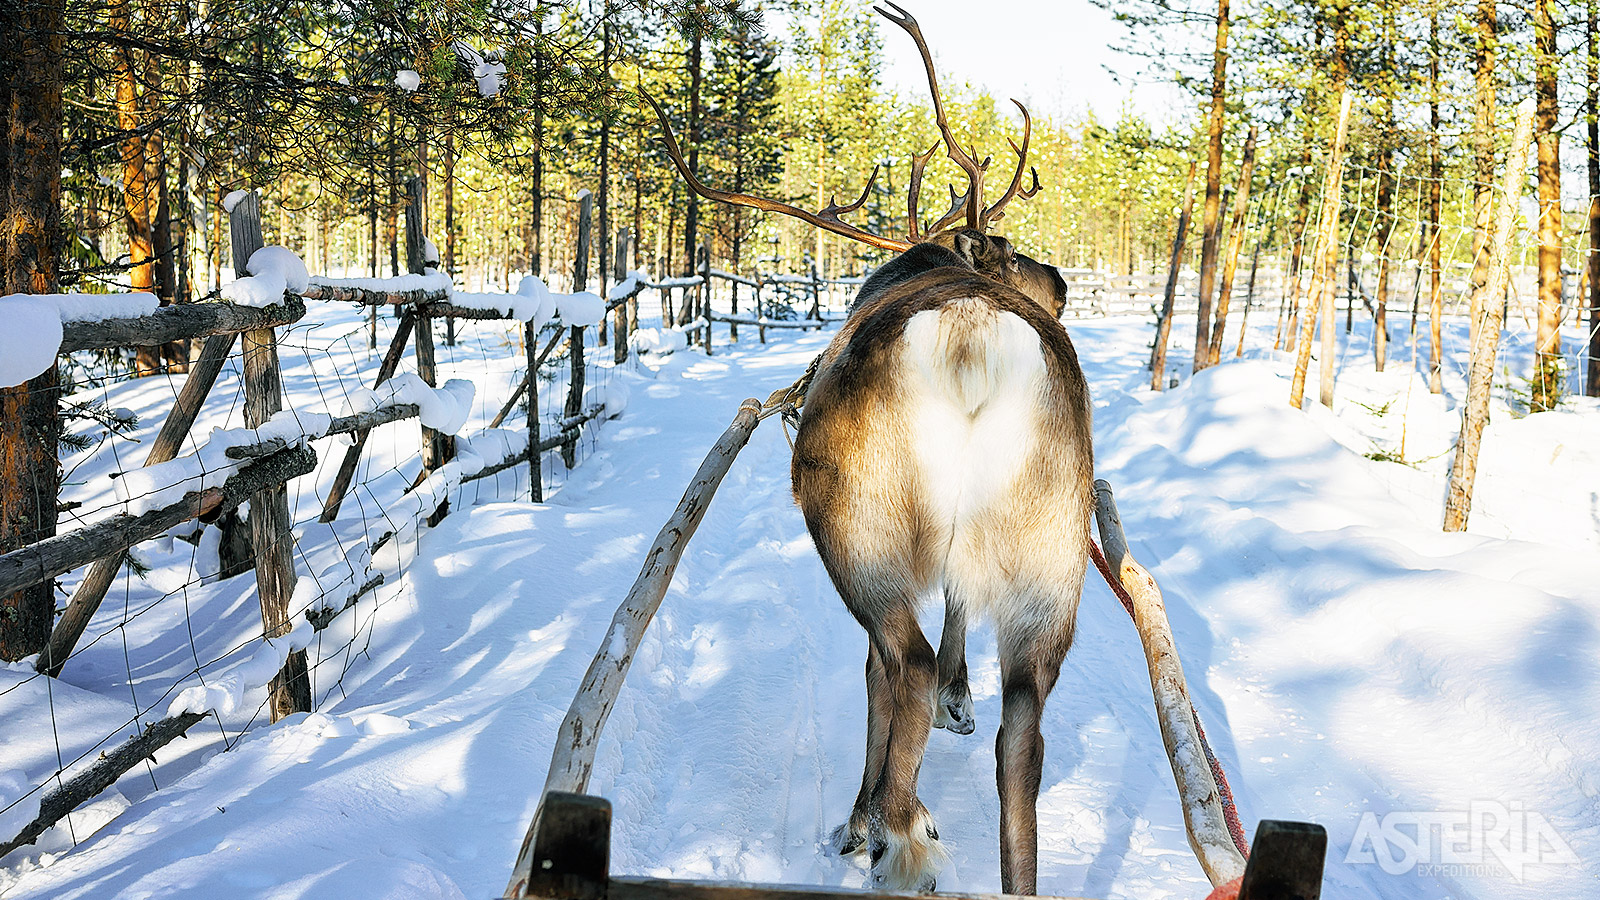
(1230, 812)
(1229, 891)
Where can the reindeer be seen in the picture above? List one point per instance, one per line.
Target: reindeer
(943, 452)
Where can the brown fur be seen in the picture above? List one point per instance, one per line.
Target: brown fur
(887, 545)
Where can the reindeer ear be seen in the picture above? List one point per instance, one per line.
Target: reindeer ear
(969, 245)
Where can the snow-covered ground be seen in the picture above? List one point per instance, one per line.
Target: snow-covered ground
(1430, 698)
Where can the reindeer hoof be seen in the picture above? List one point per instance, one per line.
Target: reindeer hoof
(954, 712)
(846, 840)
(908, 861)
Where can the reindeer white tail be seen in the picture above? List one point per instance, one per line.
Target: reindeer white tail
(968, 352)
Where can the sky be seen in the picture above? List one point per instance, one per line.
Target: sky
(1053, 55)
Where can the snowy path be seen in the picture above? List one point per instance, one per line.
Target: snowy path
(1345, 656)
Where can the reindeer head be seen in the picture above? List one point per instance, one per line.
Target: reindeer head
(989, 254)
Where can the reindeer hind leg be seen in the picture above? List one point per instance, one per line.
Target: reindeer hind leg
(954, 710)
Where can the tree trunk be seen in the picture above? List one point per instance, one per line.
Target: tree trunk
(691, 216)
(448, 264)
(1547, 380)
(1213, 206)
(1241, 205)
(30, 226)
(603, 197)
(135, 174)
(1592, 386)
(1475, 411)
(1386, 222)
(1435, 255)
(1324, 283)
(1297, 249)
(540, 76)
(1158, 351)
(391, 211)
(1483, 153)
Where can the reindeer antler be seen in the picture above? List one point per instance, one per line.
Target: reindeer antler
(971, 202)
(919, 161)
(974, 195)
(997, 211)
(826, 218)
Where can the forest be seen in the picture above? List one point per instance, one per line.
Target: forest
(432, 222)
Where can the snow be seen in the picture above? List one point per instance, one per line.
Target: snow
(430, 280)
(490, 76)
(1352, 664)
(581, 309)
(628, 285)
(488, 73)
(658, 342)
(407, 80)
(163, 484)
(32, 335)
(273, 270)
(94, 307)
(430, 251)
(536, 304)
(232, 199)
(30, 338)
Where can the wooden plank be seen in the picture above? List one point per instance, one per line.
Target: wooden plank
(88, 784)
(367, 297)
(341, 425)
(53, 556)
(1203, 816)
(352, 456)
(634, 888)
(1285, 862)
(92, 590)
(271, 536)
(573, 758)
(570, 852)
(766, 323)
(179, 322)
(580, 277)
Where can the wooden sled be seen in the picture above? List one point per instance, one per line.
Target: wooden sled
(566, 852)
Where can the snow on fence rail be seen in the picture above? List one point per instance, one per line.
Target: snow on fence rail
(325, 535)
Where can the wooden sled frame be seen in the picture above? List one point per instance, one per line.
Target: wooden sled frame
(566, 852)
(571, 853)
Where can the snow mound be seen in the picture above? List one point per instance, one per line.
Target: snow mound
(407, 80)
(163, 484)
(94, 307)
(30, 338)
(658, 341)
(273, 271)
(581, 309)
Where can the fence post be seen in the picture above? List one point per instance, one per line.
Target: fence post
(530, 343)
(437, 449)
(816, 292)
(619, 323)
(761, 330)
(92, 590)
(270, 536)
(704, 271)
(580, 277)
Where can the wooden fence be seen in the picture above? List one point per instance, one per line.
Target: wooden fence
(261, 471)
